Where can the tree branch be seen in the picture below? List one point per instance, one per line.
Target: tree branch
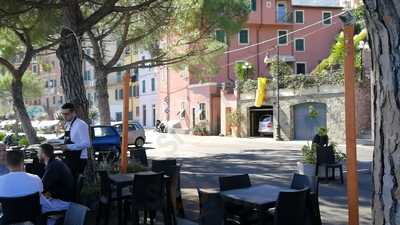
(10, 67)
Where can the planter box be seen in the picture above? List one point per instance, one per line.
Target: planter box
(309, 170)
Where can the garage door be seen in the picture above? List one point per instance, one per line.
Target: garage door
(306, 126)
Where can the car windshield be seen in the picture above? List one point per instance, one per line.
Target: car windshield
(103, 131)
(266, 119)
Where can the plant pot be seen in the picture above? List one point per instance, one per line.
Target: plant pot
(235, 131)
(306, 169)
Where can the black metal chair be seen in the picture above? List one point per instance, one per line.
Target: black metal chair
(236, 213)
(326, 157)
(148, 196)
(299, 182)
(140, 156)
(291, 208)
(21, 209)
(78, 187)
(164, 165)
(234, 182)
(161, 163)
(211, 208)
(75, 215)
(107, 197)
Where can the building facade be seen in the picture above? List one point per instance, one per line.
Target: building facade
(301, 32)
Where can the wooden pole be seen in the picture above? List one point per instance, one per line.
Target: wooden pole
(350, 104)
(124, 147)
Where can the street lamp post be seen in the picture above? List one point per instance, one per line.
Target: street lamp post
(246, 66)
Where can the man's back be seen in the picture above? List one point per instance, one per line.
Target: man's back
(17, 184)
(58, 180)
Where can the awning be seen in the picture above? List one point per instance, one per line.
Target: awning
(283, 58)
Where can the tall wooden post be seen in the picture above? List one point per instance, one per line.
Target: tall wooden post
(350, 104)
(124, 147)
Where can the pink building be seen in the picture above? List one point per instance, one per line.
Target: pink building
(306, 31)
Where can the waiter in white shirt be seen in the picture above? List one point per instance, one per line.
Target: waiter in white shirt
(76, 140)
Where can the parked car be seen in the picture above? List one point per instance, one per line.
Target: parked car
(265, 125)
(105, 138)
(136, 133)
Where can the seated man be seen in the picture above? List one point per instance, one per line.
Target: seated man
(18, 183)
(57, 179)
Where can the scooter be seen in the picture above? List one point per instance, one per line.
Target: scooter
(161, 127)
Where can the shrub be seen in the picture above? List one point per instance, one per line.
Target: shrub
(23, 141)
(309, 154)
(2, 136)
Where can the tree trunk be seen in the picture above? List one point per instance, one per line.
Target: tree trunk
(102, 96)
(69, 53)
(383, 24)
(22, 114)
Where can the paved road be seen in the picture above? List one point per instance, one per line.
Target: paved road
(204, 159)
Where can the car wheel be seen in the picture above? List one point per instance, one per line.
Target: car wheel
(139, 142)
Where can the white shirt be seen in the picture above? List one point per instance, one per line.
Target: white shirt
(18, 184)
(79, 133)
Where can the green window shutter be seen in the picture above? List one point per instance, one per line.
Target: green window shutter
(253, 5)
(282, 37)
(299, 45)
(299, 17)
(327, 16)
(244, 37)
(220, 35)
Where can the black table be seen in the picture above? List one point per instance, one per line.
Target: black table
(260, 197)
(121, 181)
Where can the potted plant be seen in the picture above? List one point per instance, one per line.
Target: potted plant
(234, 119)
(307, 165)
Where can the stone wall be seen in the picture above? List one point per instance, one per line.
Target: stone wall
(332, 96)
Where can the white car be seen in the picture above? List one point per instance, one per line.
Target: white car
(136, 133)
(265, 125)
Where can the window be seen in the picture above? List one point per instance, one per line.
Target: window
(202, 107)
(118, 116)
(327, 18)
(121, 94)
(144, 115)
(61, 99)
(220, 36)
(301, 68)
(119, 76)
(253, 5)
(153, 84)
(55, 83)
(282, 37)
(104, 131)
(54, 100)
(143, 86)
(35, 68)
(137, 111)
(116, 94)
(130, 116)
(299, 16)
(299, 45)
(281, 13)
(87, 75)
(154, 114)
(244, 37)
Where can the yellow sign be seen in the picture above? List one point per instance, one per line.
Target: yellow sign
(261, 91)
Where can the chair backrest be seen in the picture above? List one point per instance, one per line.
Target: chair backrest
(300, 181)
(105, 185)
(291, 207)
(157, 165)
(234, 182)
(211, 208)
(78, 187)
(325, 155)
(75, 215)
(148, 191)
(140, 156)
(20, 209)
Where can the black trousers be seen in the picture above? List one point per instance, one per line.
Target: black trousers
(75, 163)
